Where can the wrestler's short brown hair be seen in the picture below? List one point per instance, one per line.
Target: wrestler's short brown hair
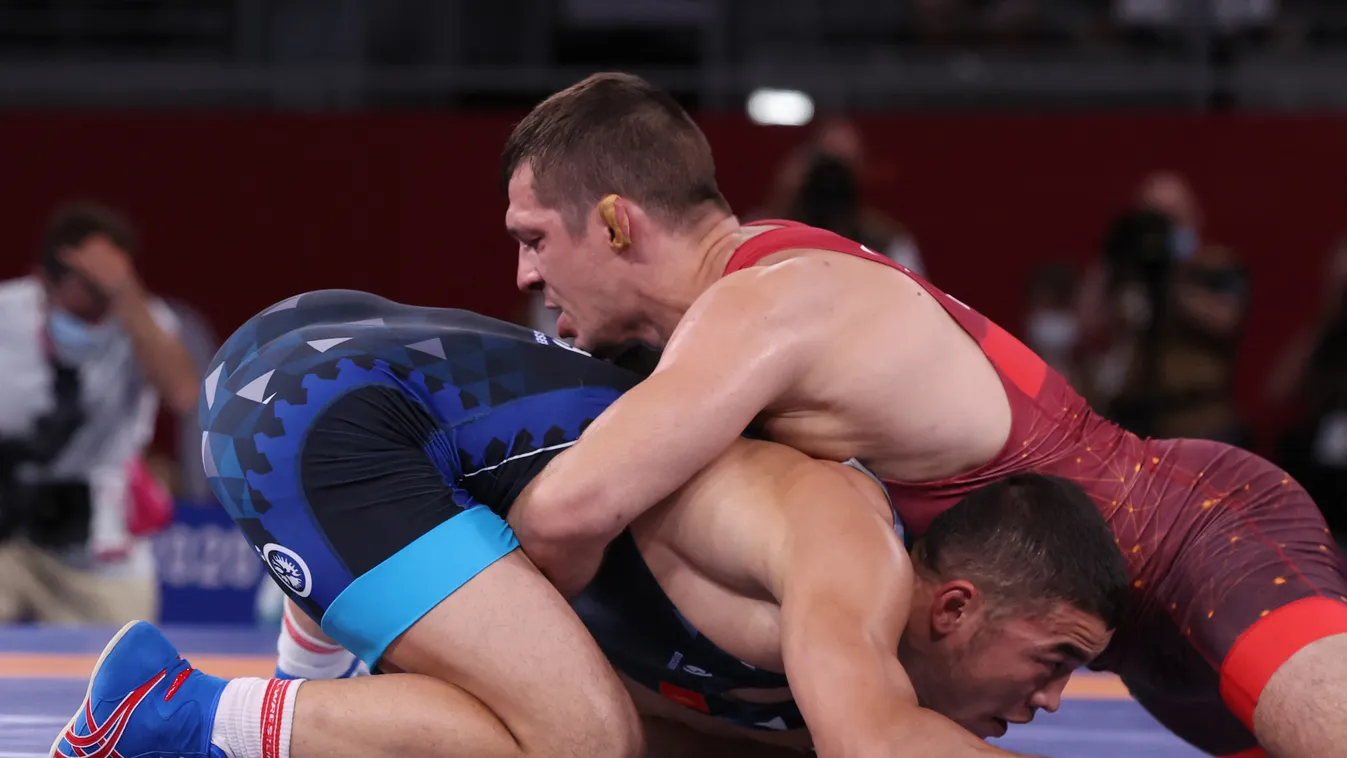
(1029, 541)
(618, 134)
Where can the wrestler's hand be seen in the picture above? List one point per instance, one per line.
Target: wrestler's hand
(105, 267)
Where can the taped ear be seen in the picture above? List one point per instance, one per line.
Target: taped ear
(619, 226)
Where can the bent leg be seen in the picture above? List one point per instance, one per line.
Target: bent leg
(1254, 599)
(365, 532)
(1301, 711)
(541, 686)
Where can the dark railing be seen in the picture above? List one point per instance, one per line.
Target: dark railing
(342, 54)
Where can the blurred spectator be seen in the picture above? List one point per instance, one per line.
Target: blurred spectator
(85, 354)
(1180, 382)
(1225, 15)
(1170, 193)
(1119, 293)
(839, 140)
(199, 339)
(1052, 328)
(1313, 368)
(945, 22)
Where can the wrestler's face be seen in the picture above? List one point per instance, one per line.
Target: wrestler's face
(581, 276)
(990, 670)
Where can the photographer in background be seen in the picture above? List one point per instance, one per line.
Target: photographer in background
(1180, 316)
(85, 355)
(826, 174)
(1313, 370)
(829, 197)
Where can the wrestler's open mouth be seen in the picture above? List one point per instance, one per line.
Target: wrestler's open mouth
(1002, 727)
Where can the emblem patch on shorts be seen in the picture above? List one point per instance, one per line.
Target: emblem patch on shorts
(288, 568)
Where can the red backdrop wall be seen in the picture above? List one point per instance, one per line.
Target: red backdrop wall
(238, 211)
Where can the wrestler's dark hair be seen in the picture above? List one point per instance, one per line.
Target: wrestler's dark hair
(618, 134)
(1029, 541)
(74, 223)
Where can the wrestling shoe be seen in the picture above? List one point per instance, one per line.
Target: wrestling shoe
(143, 700)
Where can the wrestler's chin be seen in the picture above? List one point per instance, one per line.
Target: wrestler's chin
(991, 727)
(565, 329)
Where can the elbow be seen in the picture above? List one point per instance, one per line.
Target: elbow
(559, 516)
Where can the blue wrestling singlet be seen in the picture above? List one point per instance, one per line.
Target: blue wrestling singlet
(370, 451)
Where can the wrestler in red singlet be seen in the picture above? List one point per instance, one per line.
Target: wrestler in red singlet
(1233, 569)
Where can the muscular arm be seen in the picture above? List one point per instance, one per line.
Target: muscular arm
(735, 352)
(845, 584)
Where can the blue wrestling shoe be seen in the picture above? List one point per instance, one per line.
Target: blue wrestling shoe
(143, 700)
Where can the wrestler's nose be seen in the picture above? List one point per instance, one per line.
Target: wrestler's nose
(526, 276)
(1050, 697)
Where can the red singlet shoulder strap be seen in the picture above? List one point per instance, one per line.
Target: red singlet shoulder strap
(791, 235)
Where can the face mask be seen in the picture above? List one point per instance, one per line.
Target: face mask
(1134, 306)
(1053, 331)
(74, 338)
(1184, 243)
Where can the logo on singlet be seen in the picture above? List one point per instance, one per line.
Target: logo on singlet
(543, 339)
(288, 568)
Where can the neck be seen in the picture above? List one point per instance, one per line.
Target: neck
(683, 267)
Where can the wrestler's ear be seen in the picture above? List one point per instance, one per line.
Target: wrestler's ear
(952, 606)
(614, 213)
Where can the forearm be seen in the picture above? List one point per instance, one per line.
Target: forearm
(641, 449)
(869, 711)
(165, 361)
(912, 732)
(569, 564)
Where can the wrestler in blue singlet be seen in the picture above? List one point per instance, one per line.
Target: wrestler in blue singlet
(370, 451)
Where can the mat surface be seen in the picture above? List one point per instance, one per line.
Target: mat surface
(43, 675)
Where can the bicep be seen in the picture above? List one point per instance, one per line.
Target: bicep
(726, 363)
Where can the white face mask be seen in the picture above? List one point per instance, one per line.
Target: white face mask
(1134, 306)
(74, 338)
(1184, 242)
(1053, 331)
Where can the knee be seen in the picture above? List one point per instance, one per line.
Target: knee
(614, 731)
(608, 728)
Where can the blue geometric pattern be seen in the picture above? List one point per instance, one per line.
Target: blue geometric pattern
(495, 391)
(283, 366)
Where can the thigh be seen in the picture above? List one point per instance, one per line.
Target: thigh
(1257, 579)
(508, 637)
(342, 490)
(1265, 547)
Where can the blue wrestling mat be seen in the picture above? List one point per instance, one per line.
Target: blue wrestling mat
(43, 677)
